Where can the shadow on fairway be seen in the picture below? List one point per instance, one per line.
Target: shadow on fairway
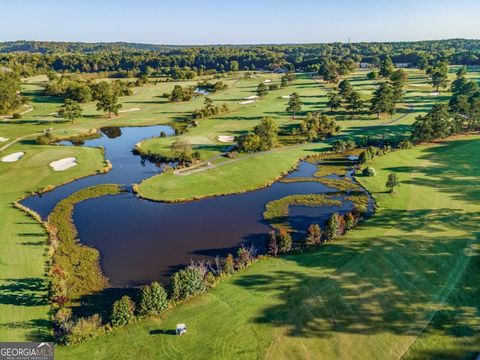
(162, 332)
(24, 292)
(401, 283)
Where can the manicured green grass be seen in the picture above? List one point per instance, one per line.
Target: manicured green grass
(23, 249)
(405, 283)
(23, 310)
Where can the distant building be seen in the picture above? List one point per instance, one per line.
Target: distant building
(364, 65)
(403, 65)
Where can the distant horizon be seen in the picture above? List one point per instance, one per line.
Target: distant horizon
(239, 44)
(213, 22)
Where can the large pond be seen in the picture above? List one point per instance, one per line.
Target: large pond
(141, 241)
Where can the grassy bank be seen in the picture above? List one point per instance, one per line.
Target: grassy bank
(404, 283)
(75, 267)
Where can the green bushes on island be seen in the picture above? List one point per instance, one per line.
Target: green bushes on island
(181, 151)
(48, 137)
(276, 211)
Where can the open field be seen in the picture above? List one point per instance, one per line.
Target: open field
(403, 284)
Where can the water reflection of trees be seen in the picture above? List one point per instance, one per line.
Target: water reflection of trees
(112, 132)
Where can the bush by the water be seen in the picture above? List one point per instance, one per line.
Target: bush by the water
(123, 311)
(335, 227)
(186, 283)
(85, 328)
(153, 299)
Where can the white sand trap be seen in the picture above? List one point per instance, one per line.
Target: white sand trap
(435, 93)
(286, 97)
(53, 114)
(267, 81)
(225, 138)
(251, 97)
(2, 139)
(352, 158)
(246, 102)
(63, 164)
(127, 110)
(13, 157)
(418, 85)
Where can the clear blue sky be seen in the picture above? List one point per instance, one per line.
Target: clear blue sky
(238, 22)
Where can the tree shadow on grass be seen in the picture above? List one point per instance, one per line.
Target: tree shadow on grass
(392, 284)
(37, 329)
(24, 292)
(162, 332)
(454, 170)
(101, 302)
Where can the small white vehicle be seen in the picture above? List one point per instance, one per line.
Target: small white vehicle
(181, 329)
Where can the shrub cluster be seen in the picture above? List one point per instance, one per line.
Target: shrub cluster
(340, 146)
(280, 241)
(210, 110)
(211, 87)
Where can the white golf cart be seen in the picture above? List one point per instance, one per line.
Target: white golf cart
(181, 329)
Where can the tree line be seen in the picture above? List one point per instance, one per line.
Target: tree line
(30, 58)
(461, 114)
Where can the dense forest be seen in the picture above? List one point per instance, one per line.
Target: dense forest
(187, 62)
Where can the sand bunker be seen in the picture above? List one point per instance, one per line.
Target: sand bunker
(435, 93)
(267, 81)
(2, 139)
(225, 138)
(286, 97)
(127, 110)
(13, 157)
(251, 97)
(352, 158)
(246, 102)
(63, 164)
